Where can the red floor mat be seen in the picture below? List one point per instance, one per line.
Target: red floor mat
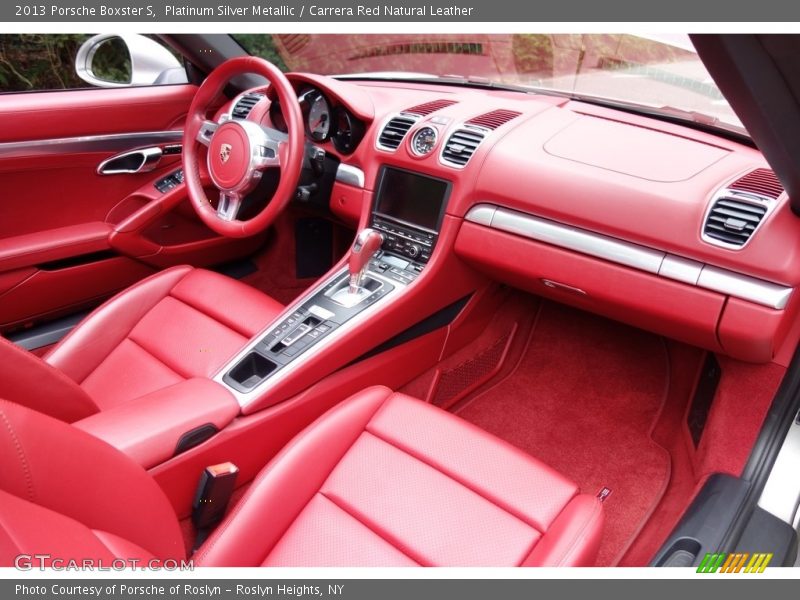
(583, 399)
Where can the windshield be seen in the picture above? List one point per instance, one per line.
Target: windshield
(657, 71)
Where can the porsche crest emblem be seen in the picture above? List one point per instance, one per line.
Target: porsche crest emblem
(224, 153)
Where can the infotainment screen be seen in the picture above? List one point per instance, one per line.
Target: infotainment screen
(411, 198)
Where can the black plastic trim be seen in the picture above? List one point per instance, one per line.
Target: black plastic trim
(437, 320)
(706, 522)
(195, 437)
(76, 261)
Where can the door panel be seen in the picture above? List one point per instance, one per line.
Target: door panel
(70, 236)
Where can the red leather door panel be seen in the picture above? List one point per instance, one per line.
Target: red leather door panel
(58, 215)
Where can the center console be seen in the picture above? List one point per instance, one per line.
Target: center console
(384, 260)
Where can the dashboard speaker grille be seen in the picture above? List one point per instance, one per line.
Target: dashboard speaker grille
(244, 105)
(763, 182)
(430, 107)
(494, 119)
(733, 221)
(461, 145)
(395, 130)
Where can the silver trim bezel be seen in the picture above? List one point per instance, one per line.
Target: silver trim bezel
(245, 399)
(414, 135)
(385, 122)
(744, 197)
(642, 258)
(462, 125)
(89, 143)
(350, 175)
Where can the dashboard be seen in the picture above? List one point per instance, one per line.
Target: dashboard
(671, 229)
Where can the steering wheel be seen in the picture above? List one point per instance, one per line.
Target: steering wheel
(239, 151)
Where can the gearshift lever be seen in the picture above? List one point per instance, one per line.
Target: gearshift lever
(367, 243)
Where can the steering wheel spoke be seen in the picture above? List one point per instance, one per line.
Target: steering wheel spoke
(268, 155)
(206, 132)
(229, 204)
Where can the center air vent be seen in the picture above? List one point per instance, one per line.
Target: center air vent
(732, 221)
(395, 130)
(461, 145)
(244, 105)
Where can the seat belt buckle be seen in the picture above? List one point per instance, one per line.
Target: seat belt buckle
(214, 491)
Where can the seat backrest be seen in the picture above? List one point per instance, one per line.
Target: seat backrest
(27, 380)
(70, 495)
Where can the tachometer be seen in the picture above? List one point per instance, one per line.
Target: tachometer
(318, 115)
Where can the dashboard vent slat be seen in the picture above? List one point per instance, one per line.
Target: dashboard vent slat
(461, 145)
(395, 130)
(763, 182)
(244, 105)
(733, 221)
(429, 107)
(494, 119)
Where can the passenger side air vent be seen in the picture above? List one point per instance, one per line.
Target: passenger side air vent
(425, 109)
(395, 130)
(763, 182)
(244, 105)
(494, 119)
(732, 221)
(461, 145)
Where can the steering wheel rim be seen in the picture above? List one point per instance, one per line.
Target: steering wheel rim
(239, 151)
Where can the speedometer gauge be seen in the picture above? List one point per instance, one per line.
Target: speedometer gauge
(318, 115)
(424, 141)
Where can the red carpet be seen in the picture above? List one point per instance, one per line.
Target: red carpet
(584, 398)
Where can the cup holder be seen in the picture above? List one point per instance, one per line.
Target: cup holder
(249, 372)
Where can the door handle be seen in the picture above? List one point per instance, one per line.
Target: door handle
(132, 161)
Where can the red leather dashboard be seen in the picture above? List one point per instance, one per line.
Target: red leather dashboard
(605, 173)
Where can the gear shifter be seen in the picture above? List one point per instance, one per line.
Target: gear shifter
(367, 243)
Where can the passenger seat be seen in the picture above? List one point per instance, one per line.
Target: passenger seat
(382, 479)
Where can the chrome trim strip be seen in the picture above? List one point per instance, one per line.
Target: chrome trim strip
(746, 288)
(639, 257)
(781, 494)
(245, 399)
(571, 238)
(350, 175)
(89, 143)
(680, 269)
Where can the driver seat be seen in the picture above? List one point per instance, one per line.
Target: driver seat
(177, 324)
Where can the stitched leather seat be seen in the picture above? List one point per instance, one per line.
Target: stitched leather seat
(178, 324)
(381, 479)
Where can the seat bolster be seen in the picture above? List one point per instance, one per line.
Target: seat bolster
(69, 472)
(31, 382)
(288, 483)
(80, 352)
(574, 537)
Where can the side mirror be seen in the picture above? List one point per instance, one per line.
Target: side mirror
(126, 59)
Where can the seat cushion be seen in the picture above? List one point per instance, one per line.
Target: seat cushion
(387, 480)
(180, 323)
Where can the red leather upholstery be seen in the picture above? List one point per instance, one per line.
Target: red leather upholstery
(178, 324)
(382, 479)
(66, 493)
(149, 429)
